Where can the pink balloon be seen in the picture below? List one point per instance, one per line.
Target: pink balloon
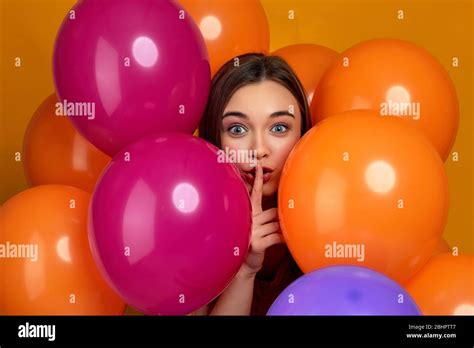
(169, 224)
(124, 69)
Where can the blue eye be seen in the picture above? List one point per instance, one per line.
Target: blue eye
(280, 128)
(237, 129)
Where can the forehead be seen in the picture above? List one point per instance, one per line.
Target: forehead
(261, 98)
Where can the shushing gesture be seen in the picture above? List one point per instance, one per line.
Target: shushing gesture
(265, 227)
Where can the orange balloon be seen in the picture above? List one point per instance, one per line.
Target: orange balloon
(55, 153)
(309, 62)
(396, 79)
(363, 190)
(230, 28)
(445, 286)
(46, 264)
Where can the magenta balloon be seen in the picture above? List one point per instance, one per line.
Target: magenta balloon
(169, 224)
(124, 69)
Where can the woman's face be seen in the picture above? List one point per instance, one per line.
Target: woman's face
(264, 117)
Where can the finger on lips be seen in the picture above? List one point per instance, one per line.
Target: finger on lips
(256, 196)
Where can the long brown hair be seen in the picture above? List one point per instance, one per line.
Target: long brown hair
(236, 73)
(243, 70)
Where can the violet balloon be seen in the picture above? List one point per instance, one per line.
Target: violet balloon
(344, 290)
(169, 224)
(124, 69)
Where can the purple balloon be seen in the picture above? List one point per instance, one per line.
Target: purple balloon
(169, 225)
(124, 69)
(344, 290)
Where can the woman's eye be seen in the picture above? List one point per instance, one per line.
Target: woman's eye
(279, 128)
(237, 129)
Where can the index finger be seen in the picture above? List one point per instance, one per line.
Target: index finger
(257, 189)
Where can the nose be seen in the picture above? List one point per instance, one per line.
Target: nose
(260, 146)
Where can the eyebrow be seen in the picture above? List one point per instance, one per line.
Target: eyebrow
(273, 114)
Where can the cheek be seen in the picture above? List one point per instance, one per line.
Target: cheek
(235, 144)
(281, 148)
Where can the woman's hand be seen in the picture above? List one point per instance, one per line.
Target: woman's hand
(237, 298)
(265, 228)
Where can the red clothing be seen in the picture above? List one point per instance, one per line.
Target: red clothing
(279, 270)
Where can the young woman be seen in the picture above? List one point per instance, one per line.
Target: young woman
(257, 104)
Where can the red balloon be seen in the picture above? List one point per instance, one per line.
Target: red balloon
(125, 69)
(170, 225)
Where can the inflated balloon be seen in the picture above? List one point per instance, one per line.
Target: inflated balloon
(344, 290)
(170, 223)
(445, 285)
(396, 79)
(230, 28)
(122, 73)
(55, 153)
(363, 190)
(46, 264)
(309, 62)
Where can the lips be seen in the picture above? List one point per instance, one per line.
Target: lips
(249, 175)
